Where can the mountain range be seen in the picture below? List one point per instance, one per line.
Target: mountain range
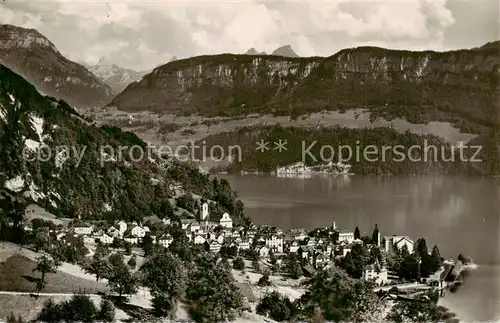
(285, 51)
(32, 55)
(114, 76)
(363, 87)
(455, 86)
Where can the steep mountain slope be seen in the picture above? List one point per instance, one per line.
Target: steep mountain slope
(32, 55)
(456, 86)
(116, 77)
(53, 157)
(217, 85)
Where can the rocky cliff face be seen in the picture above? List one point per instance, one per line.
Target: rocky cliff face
(30, 54)
(456, 86)
(217, 85)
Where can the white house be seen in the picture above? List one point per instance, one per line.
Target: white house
(312, 242)
(114, 232)
(122, 227)
(215, 246)
(199, 239)
(275, 243)
(104, 238)
(346, 236)
(83, 228)
(131, 239)
(399, 242)
(294, 246)
(220, 238)
(165, 240)
(376, 274)
(194, 226)
(226, 221)
(264, 252)
(185, 223)
(138, 231)
(88, 239)
(244, 245)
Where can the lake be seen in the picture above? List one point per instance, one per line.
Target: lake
(459, 214)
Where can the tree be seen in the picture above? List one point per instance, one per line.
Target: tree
(45, 265)
(188, 203)
(264, 280)
(423, 310)
(165, 275)
(147, 244)
(98, 266)
(292, 266)
(128, 247)
(410, 268)
(277, 307)
(132, 262)
(228, 252)
(239, 263)
(79, 308)
(375, 255)
(335, 296)
(211, 293)
(51, 312)
(421, 248)
(256, 265)
(41, 239)
(464, 259)
(375, 235)
(436, 258)
(357, 235)
(166, 210)
(404, 252)
(102, 251)
(348, 265)
(120, 278)
(106, 311)
(354, 262)
(116, 243)
(273, 261)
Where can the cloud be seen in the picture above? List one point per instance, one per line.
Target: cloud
(143, 34)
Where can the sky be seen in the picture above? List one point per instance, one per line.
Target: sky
(144, 34)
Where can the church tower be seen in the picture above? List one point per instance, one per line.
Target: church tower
(204, 212)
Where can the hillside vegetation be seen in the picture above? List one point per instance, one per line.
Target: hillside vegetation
(315, 146)
(85, 179)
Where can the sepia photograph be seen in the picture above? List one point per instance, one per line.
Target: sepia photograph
(250, 161)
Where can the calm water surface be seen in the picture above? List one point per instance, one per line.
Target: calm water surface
(459, 214)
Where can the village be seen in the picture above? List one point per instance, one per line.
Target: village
(316, 249)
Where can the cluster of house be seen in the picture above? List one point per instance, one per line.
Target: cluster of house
(318, 252)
